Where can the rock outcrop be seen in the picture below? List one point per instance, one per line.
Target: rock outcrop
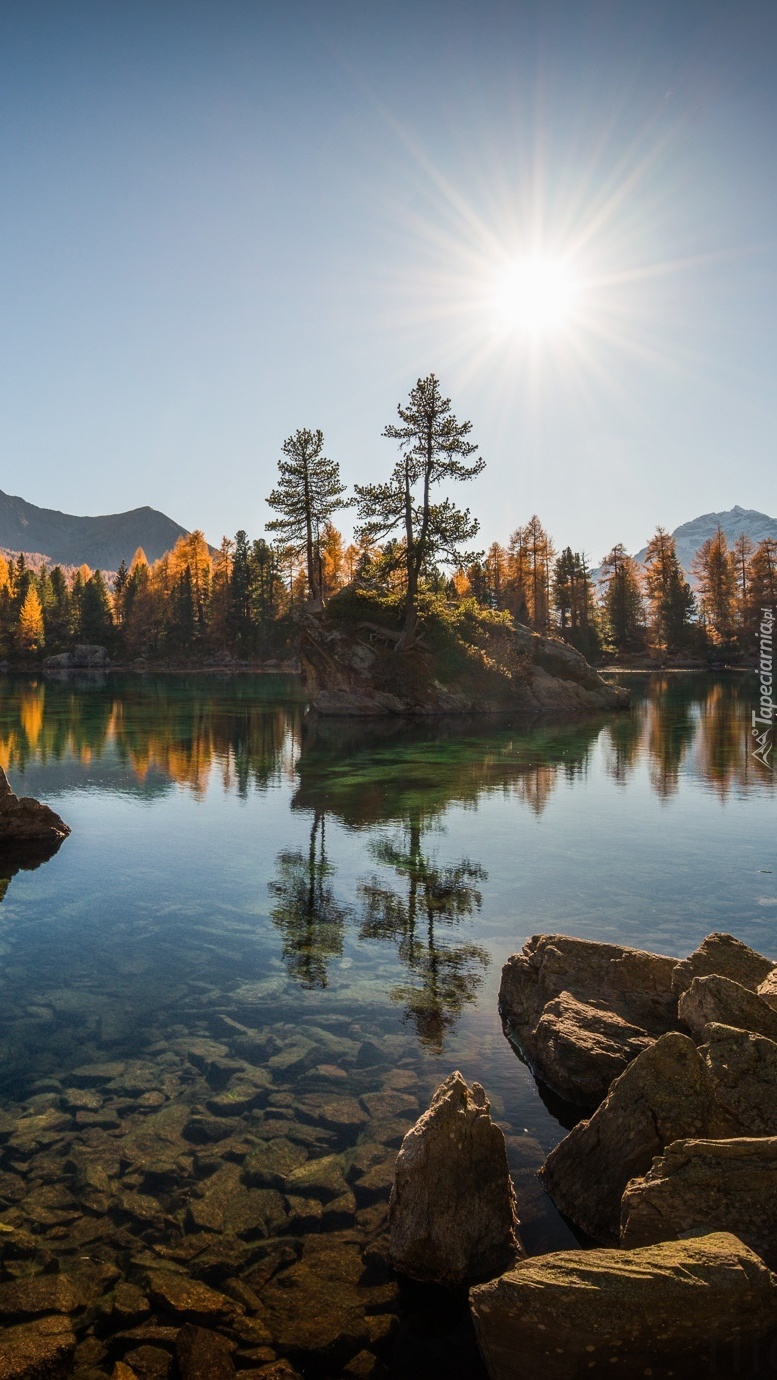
(452, 1209)
(724, 956)
(706, 1185)
(725, 1002)
(26, 823)
(665, 1094)
(626, 1313)
(743, 1071)
(580, 1011)
(357, 671)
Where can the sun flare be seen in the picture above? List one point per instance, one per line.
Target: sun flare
(537, 296)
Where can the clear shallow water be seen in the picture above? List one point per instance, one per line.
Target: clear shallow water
(232, 861)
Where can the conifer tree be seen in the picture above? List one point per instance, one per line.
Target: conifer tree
(30, 626)
(622, 600)
(669, 596)
(306, 495)
(716, 576)
(433, 449)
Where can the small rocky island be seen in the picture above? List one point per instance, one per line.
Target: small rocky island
(484, 664)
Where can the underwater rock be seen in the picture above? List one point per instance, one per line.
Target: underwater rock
(666, 1310)
(24, 821)
(41, 1350)
(203, 1355)
(452, 1211)
(664, 1095)
(706, 1185)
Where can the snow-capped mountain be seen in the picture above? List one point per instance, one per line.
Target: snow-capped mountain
(691, 535)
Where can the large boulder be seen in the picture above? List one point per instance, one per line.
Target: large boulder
(452, 1210)
(722, 1001)
(669, 1309)
(580, 1011)
(24, 821)
(743, 1071)
(86, 656)
(726, 956)
(664, 1095)
(706, 1185)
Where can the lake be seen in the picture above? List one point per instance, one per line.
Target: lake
(267, 940)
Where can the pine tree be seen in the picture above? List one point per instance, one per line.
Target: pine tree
(96, 619)
(622, 600)
(308, 492)
(433, 449)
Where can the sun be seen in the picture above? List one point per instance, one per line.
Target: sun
(537, 296)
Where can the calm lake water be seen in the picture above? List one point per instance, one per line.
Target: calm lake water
(246, 890)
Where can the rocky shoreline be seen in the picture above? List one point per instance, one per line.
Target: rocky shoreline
(673, 1176)
(217, 1205)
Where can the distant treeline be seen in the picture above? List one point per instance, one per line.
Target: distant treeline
(193, 606)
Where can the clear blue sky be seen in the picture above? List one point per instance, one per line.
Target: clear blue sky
(223, 221)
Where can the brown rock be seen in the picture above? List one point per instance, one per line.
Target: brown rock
(712, 1185)
(725, 1002)
(743, 1071)
(34, 1295)
(659, 1310)
(149, 1362)
(41, 1350)
(203, 1355)
(314, 1309)
(187, 1299)
(581, 1011)
(768, 989)
(582, 1047)
(664, 1095)
(26, 821)
(452, 1209)
(726, 956)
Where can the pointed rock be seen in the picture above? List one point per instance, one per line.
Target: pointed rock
(452, 1210)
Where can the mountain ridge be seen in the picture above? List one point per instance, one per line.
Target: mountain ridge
(101, 542)
(689, 536)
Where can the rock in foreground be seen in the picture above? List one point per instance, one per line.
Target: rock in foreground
(666, 1094)
(452, 1210)
(707, 1185)
(26, 821)
(660, 1310)
(581, 1010)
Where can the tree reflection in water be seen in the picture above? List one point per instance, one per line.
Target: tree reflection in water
(307, 913)
(444, 976)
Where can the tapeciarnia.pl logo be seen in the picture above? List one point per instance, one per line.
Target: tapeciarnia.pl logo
(763, 717)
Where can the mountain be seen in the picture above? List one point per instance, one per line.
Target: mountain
(99, 542)
(691, 535)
